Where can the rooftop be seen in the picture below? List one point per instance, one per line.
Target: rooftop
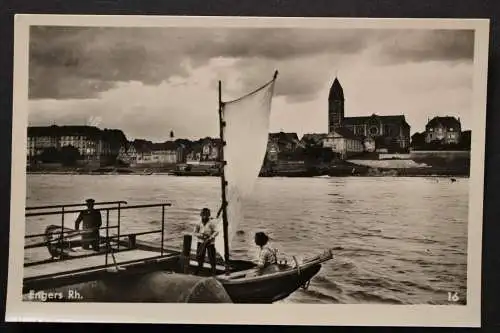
(447, 121)
(400, 119)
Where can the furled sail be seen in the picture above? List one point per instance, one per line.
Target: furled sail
(246, 134)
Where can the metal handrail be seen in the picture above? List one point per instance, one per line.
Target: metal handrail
(76, 205)
(106, 209)
(108, 237)
(67, 232)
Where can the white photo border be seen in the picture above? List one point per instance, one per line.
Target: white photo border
(468, 315)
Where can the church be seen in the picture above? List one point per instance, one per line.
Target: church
(378, 133)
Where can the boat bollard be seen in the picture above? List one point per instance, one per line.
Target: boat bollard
(186, 253)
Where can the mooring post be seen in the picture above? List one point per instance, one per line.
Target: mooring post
(186, 253)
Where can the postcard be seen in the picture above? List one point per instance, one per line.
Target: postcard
(247, 170)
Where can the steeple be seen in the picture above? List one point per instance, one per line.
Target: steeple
(335, 106)
(336, 91)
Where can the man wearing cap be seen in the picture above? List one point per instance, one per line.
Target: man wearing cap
(206, 231)
(92, 221)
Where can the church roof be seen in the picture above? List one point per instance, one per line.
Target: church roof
(313, 136)
(398, 119)
(336, 91)
(449, 122)
(346, 133)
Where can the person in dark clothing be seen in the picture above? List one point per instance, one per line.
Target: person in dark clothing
(206, 231)
(92, 221)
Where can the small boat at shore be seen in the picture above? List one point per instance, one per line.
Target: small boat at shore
(69, 264)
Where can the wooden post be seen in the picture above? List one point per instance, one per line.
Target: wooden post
(162, 228)
(118, 231)
(186, 253)
(131, 241)
(222, 124)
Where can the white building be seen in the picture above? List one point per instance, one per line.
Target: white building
(343, 142)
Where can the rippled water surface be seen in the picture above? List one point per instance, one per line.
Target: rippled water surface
(404, 240)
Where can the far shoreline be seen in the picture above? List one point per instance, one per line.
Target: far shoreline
(384, 173)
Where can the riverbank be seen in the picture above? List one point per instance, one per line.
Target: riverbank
(356, 171)
(425, 166)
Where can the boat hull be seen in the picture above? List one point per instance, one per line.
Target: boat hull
(270, 289)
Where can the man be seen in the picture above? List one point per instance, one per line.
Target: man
(206, 231)
(92, 221)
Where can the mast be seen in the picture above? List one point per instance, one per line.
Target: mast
(223, 163)
(222, 124)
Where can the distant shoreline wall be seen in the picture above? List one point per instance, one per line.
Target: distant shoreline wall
(452, 160)
(449, 154)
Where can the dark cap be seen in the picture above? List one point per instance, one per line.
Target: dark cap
(90, 200)
(205, 211)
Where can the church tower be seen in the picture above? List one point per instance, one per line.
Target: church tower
(335, 106)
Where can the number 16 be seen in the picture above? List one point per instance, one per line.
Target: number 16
(453, 297)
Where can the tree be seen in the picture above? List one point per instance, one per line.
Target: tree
(50, 155)
(69, 155)
(418, 140)
(315, 155)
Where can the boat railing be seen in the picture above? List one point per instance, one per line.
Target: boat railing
(110, 206)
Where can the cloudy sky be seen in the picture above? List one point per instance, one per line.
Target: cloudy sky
(147, 81)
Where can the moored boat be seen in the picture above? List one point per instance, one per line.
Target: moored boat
(129, 258)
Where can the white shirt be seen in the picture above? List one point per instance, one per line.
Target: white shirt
(208, 229)
(267, 256)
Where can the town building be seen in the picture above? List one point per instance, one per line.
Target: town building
(203, 150)
(280, 144)
(128, 153)
(381, 133)
(272, 151)
(147, 153)
(312, 140)
(343, 142)
(284, 141)
(92, 143)
(445, 130)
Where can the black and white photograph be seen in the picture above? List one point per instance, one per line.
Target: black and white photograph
(291, 171)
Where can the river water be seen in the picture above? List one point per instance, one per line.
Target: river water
(403, 240)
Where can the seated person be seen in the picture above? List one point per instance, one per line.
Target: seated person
(268, 258)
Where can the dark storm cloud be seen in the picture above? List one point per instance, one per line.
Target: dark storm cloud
(99, 57)
(76, 62)
(434, 45)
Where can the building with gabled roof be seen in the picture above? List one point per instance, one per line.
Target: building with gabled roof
(446, 130)
(344, 142)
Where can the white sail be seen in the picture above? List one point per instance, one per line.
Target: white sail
(246, 134)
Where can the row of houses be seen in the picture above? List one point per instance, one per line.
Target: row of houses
(144, 153)
(440, 132)
(94, 144)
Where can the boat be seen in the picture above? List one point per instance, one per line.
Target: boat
(239, 120)
(125, 255)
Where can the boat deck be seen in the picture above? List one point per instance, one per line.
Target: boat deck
(84, 259)
(56, 266)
